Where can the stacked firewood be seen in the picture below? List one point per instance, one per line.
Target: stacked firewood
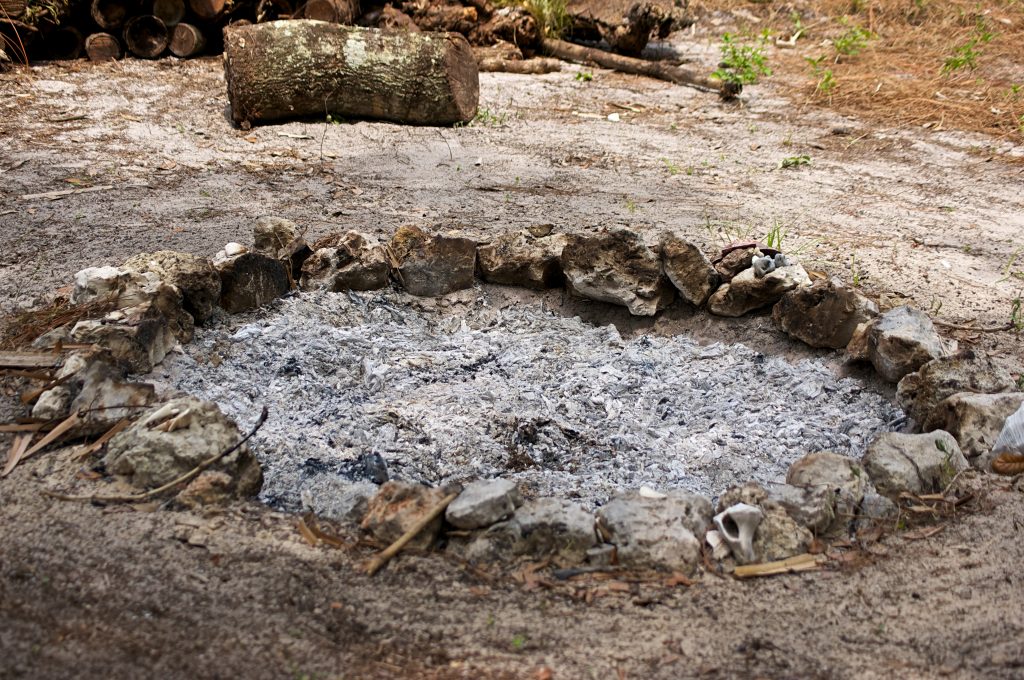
(109, 29)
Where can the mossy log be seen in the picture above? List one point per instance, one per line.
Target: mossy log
(290, 69)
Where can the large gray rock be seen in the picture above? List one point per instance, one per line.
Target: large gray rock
(975, 420)
(824, 314)
(102, 397)
(523, 259)
(137, 338)
(734, 262)
(430, 265)
(689, 269)
(194, 276)
(658, 533)
(544, 527)
(778, 535)
(913, 463)
(250, 281)
(898, 342)
(397, 507)
(338, 500)
(173, 438)
(746, 292)
(616, 267)
(920, 392)
(348, 261)
(124, 289)
(842, 479)
(811, 507)
(271, 235)
(483, 503)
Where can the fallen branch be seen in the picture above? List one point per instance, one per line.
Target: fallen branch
(54, 195)
(803, 562)
(530, 66)
(187, 477)
(974, 329)
(651, 69)
(20, 360)
(380, 560)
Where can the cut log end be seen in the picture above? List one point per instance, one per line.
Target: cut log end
(109, 14)
(171, 12)
(334, 11)
(187, 41)
(102, 47)
(208, 10)
(146, 36)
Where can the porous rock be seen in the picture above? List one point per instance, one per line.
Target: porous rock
(196, 431)
(194, 276)
(824, 314)
(745, 292)
(920, 392)
(811, 507)
(349, 261)
(102, 397)
(543, 527)
(778, 536)
(617, 267)
(397, 507)
(138, 338)
(522, 259)
(975, 420)
(689, 269)
(339, 500)
(209, 488)
(734, 262)
(250, 281)
(898, 342)
(842, 480)
(430, 265)
(659, 533)
(875, 509)
(913, 463)
(128, 290)
(271, 235)
(483, 503)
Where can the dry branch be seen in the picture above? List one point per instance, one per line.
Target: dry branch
(529, 66)
(651, 69)
(381, 559)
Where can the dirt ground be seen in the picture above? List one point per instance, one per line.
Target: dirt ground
(931, 218)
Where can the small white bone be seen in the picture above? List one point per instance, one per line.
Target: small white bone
(737, 525)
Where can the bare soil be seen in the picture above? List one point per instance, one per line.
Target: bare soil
(930, 218)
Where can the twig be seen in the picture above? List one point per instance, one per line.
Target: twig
(974, 329)
(381, 559)
(187, 477)
(54, 195)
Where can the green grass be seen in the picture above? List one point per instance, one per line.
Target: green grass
(795, 161)
(742, 64)
(552, 16)
(966, 56)
(853, 41)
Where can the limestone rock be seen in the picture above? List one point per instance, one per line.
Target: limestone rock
(689, 270)
(397, 507)
(522, 259)
(824, 314)
(137, 338)
(898, 342)
(778, 535)
(483, 503)
(813, 507)
(876, 509)
(659, 533)
(745, 292)
(430, 265)
(348, 261)
(920, 392)
(272, 234)
(294, 255)
(102, 397)
(915, 463)
(195, 431)
(617, 267)
(211, 487)
(842, 479)
(250, 281)
(194, 276)
(734, 262)
(555, 526)
(339, 500)
(98, 283)
(975, 420)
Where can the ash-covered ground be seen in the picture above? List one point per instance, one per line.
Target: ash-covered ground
(562, 406)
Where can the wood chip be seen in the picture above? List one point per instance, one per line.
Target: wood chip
(16, 453)
(20, 360)
(53, 435)
(798, 563)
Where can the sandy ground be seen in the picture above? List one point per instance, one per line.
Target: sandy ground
(931, 218)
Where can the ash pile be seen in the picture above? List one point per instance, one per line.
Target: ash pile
(371, 386)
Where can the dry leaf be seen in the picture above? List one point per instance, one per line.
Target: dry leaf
(18, 447)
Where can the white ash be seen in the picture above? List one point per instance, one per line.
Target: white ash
(561, 406)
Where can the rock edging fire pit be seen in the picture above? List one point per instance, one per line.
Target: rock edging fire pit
(153, 301)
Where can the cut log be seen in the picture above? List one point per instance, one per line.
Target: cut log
(109, 14)
(626, 25)
(288, 69)
(171, 12)
(208, 10)
(146, 36)
(102, 47)
(64, 42)
(187, 41)
(651, 69)
(12, 9)
(335, 11)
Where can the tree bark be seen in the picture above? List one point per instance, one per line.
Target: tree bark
(171, 12)
(102, 47)
(289, 69)
(187, 41)
(651, 69)
(146, 36)
(335, 11)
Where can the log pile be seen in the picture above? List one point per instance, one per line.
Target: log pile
(504, 34)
